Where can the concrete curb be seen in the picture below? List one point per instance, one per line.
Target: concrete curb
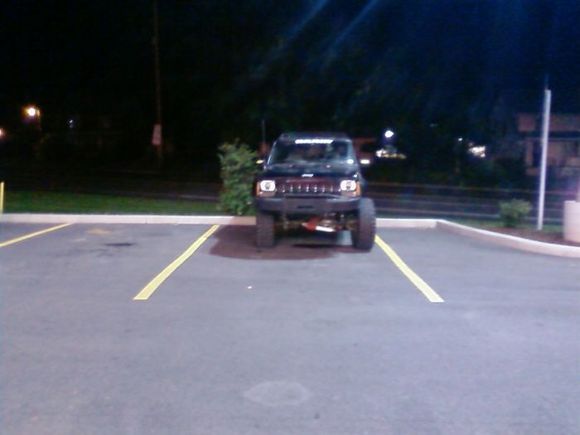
(462, 230)
(510, 241)
(34, 218)
(125, 219)
(407, 223)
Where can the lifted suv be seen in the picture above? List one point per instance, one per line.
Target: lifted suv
(313, 181)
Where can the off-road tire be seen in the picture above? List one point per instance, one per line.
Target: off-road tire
(265, 230)
(363, 236)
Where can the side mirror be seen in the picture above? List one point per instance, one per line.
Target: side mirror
(261, 161)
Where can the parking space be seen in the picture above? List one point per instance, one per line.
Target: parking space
(309, 337)
(470, 271)
(11, 234)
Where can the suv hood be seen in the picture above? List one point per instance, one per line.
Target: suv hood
(312, 169)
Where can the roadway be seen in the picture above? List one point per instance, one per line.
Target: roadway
(168, 329)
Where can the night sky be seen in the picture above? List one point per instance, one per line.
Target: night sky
(350, 65)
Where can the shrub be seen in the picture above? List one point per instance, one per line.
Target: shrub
(512, 213)
(238, 168)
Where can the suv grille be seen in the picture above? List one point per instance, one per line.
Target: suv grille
(308, 187)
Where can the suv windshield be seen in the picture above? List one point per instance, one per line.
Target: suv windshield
(291, 152)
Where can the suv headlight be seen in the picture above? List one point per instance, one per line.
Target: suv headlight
(266, 187)
(350, 187)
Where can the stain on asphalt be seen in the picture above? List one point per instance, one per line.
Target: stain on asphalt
(278, 393)
(120, 245)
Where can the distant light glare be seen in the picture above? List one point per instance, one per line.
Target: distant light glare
(479, 152)
(390, 152)
(2, 133)
(389, 134)
(32, 111)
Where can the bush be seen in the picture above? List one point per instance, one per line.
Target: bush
(512, 213)
(238, 168)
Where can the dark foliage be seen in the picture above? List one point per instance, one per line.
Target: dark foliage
(432, 70)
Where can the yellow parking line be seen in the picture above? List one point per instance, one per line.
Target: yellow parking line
(150, 288)
(31, 235)
(423, 287)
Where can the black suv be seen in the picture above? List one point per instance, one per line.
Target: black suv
(313, 181)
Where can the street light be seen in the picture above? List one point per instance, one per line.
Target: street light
(32, 111)
(389, 134)
(32, 114)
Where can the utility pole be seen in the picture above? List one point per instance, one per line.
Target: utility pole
(157, 139)
(544, 161)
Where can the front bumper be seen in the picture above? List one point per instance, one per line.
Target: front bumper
(307, 205)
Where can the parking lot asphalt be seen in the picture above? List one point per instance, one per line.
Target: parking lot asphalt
(310, 337)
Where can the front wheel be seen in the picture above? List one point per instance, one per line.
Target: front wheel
(265, 231)
(363, 236)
